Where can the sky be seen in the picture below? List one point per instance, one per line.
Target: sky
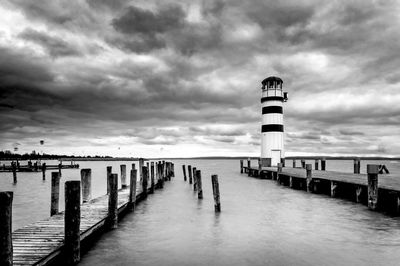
(183, 78)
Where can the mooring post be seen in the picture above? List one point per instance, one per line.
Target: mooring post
(190, 174)
(163, 171)
(144, 182)
(303, 164)
(86, 181)
(55, 193)
(43, 171)
(113, 202)
(248, 163)
(6, 246)
(359, 191)
(309, 177)
(199, 185)
(123, 175)
(109, 169)
(241, 166)
(278, 173)
(14, 171)
(141, 163)
(323, 164)
(132, 189)
(160, 177)
(357, 165)
(334, 187)
(172, 169)
(152, 185)
(291, 182)
(194, 179)
(215, 187)
(59, 168)
(372, 172)
(316, 164)
(184, 172)
(72, 220)
(294, 163)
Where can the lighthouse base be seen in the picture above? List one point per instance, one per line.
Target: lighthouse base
(265, 162)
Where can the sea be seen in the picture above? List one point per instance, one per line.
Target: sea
(261, 223)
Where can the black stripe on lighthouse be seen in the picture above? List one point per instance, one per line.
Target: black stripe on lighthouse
(272, 98)
(272, 128)
(272, 110)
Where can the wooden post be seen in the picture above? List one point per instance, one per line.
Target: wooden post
(248, 163)
(359, 190)
(215, 187)
(184, 172)
(144, 182)
(190, 174)
(152, 177)
(316, 164)
(356, 165)
(309, 177)
(132, 190)
(14, 170)
(109, 169)
(72, 220)
(194, 179)
(199, 185)
(294, 163)
(241, 166)
(283, 162)
(278, 172)
(372, 172)
(323, 164)
(55, 193)
(291, 182)
(59, 168)
(44, 171)
(6, 246)
(303, 164)
(123, 175)
(164, 171)
(159, 171)
(141, 163)
(172, 169)
(113, 202)
(334, 187)
(86, 181)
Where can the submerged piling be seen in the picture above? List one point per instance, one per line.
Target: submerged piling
(72, 219)
(14, 171)
(215, 187)
(184, 172)
(241, 166)
(190, 174)
(194, 179)
(372, 173)
(44, 171)
(55, 193)
(199, 185)
(6, 247)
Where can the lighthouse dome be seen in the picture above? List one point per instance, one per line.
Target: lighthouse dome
(271, 79)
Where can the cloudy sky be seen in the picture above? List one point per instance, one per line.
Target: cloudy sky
(182, 78)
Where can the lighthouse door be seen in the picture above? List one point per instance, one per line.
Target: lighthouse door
(276, 157)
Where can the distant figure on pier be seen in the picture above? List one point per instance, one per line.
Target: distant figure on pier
(272, 150)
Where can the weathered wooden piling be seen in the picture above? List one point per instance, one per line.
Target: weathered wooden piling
(334, 186)
(152, 184)
(6, 246)
(359, 191)
(72, 220)
(86, 181)
(132, 189)
(309, 177)
(323, 164)
(144, 181)
(248, 163)
(43, 171)
(372, 172)
(194, 179)
(283, 162)
(199, 185)
(160, 173)
(294, 163)
(316, 164)
(190, 174)
(123, 175)
(109, 170)
(184, 172)
(357, 165)
(55, 193)
(241, 166)
(14, 171)
(172, 169)
(59, 168)
(113, 202)
(279, 171)
(215, 187)
(303, 164)
(141, 164)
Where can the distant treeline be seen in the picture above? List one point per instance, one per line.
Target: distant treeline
(44, 156)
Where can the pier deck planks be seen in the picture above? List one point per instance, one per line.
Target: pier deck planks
(386, 181)
(40, 242)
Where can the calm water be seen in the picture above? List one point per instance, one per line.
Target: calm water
(261, 223)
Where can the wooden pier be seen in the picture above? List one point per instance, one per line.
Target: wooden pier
(382, 194)
(44, 242)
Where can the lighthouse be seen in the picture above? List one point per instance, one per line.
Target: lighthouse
(272, 129)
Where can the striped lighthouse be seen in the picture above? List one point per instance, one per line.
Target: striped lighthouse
(272, 149)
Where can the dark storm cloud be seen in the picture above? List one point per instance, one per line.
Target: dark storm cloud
(56, 47)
